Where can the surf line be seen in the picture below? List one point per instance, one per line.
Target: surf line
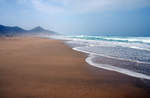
(112, 68)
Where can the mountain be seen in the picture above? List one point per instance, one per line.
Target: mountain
(13, 31)
(40, 30)
(7, 30)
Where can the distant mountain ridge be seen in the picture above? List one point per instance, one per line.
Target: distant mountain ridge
(15, 30)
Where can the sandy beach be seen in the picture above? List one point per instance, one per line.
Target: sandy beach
(45, 68)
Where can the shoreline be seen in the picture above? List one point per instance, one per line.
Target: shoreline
(110, 67)
(39, 67)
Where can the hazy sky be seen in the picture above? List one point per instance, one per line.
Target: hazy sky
(78, 16)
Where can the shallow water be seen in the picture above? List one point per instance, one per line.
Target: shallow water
(127, 55)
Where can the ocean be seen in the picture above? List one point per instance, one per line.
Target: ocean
(126, 55)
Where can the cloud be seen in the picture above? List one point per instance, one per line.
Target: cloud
(48, 7)
(102, 5)
(75, 6)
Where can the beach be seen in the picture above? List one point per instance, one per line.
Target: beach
(32, 67)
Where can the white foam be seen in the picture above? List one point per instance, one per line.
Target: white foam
(116, 69)
(131, 39)
(138, 46)
(112, 68)
(80, 39)
(92, 53)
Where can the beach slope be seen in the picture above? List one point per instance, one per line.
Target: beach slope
(45, 68)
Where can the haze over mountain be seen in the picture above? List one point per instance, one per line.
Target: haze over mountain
(15, 30)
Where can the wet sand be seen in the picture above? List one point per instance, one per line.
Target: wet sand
(44, 68)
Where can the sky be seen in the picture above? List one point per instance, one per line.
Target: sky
(78, 16)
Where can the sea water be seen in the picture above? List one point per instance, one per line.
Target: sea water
(127, 55)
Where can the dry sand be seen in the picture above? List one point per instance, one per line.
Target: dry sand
(44, 68)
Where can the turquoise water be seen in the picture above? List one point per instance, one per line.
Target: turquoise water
(118, 39)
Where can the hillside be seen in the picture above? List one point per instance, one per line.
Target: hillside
(13, 31)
